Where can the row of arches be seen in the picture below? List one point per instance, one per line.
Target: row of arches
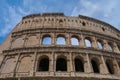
(74, 40)
(61, 65)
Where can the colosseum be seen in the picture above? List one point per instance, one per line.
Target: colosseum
(52, 46)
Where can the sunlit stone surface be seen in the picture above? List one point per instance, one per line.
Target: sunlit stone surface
(52, 46)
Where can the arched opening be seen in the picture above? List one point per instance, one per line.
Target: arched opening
(109, 65)
(61, 40)
(100, 45)
(118, 47)
(79, 65)
(110, 46)
(43, 65)
(46, 40)
(61, 64)
(95, 66)
(88, 42)
(74, 41)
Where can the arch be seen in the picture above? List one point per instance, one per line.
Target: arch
(100, 44)
(61, 40)
(79, 64)
(32, 41)
(88, 42)
(95, 65)
(43, 64)
(46, 40)
(110, 46)
(109, 65)
(9, 66)
(74, 40)
(61, 64)
(25, 64)
(18, 42)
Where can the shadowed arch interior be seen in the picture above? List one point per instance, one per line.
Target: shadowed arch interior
(43, 64)
(79, 65)
(109, 65)
(95, 65)
(61, 64)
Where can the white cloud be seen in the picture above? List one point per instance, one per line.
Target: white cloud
(10, 21)
(105, 10)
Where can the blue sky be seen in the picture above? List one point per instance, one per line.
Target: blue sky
(12, 11)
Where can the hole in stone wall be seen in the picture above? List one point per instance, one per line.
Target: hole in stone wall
(61, 64)
(43, 65)
(95, 66)
(79, 66)
(103, 28)
(109, 65)
(83, 23)
(74, 41)
(46, 40)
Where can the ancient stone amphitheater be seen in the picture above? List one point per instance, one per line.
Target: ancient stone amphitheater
(52, 46)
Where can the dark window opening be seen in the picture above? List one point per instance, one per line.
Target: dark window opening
(79, 66)
(43, 65)
(103, 29)
(61, 64)
(60, 21)
(95, 66)
(110, 67)
(83, 23)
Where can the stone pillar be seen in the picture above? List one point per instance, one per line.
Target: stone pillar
(53, 39)
(94, 43)
(103, 66)
(82, 42)
(106, 45)
(115, 48)
(68, 40)
(87, 64)
(116, 67)
(40, 39)
(71, 64)
(34, 64)
(17, 64)
(51, 66)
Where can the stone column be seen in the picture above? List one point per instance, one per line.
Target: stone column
(71, 65)
(34, 64)
(87, 64)
(103, 66)
(94, 43)
(53, 39)
(51, 66)
(40, 39)
(106, 45)
(17, 64)
(116, 67)
(68, 40)
(82, 42)
(115, 48)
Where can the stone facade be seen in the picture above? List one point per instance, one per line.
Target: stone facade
(95, 55)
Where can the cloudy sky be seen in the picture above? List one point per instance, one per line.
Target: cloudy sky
(12, 11)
